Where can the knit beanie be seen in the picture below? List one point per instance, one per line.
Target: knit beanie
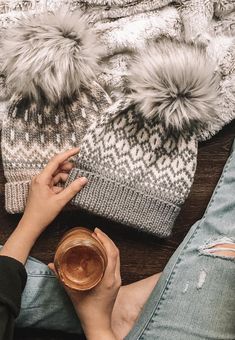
(51, 65)
(140, 156)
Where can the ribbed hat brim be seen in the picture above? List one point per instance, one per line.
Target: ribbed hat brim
(124, 204)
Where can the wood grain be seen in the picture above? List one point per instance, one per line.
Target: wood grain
(141, 255)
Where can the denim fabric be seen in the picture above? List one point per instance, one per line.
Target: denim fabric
(45, 304)
(194, 298)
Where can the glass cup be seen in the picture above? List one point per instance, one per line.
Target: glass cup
(80, 259)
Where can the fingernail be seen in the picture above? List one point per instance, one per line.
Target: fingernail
(98, 230)
(76, 149)
(72, 149)
(83, 180)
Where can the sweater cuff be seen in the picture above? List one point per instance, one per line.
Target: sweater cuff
(13, 279)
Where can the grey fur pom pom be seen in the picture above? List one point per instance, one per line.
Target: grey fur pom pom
(175, 83)
(50, 55)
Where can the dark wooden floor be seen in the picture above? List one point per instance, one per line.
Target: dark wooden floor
(141, 255)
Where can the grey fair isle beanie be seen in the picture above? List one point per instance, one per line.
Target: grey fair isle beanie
(140, 156)
(51, 64)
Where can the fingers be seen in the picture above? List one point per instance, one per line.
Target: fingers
(57, 190)
(118, 268)
(60, 177)
(51, 266)
(65, 167)
(113, 266)
(56, 162)
(104, 238)
(68, 193)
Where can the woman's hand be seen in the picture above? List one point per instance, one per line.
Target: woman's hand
(45, 201)
(94, 307)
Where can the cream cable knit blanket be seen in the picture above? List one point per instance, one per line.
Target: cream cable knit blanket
(125, 26)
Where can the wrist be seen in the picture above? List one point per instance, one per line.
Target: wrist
(20, 242)
(32, 229)
(100, 329)
(104, 334)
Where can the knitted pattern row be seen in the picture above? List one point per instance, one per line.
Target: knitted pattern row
(139, 154)
(138, 172)
(32, 134)
(139, 157)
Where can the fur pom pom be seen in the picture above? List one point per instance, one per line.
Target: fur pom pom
(50, 55)
(175, 83)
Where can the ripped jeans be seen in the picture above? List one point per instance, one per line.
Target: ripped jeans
(194, 298)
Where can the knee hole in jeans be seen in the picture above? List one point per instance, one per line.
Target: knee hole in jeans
(224, 247)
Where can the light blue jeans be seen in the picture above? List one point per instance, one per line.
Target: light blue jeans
(194, 298)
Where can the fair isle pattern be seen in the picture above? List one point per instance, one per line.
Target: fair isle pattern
(140, 153)
(132, 163)
(32, 134)
(124, 27)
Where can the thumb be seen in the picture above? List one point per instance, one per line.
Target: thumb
(51, 266)
(68, 193)
(70, 292)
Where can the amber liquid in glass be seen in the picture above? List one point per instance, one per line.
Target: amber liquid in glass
(80, 259)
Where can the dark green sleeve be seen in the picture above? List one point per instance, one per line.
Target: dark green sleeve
(12, 282)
